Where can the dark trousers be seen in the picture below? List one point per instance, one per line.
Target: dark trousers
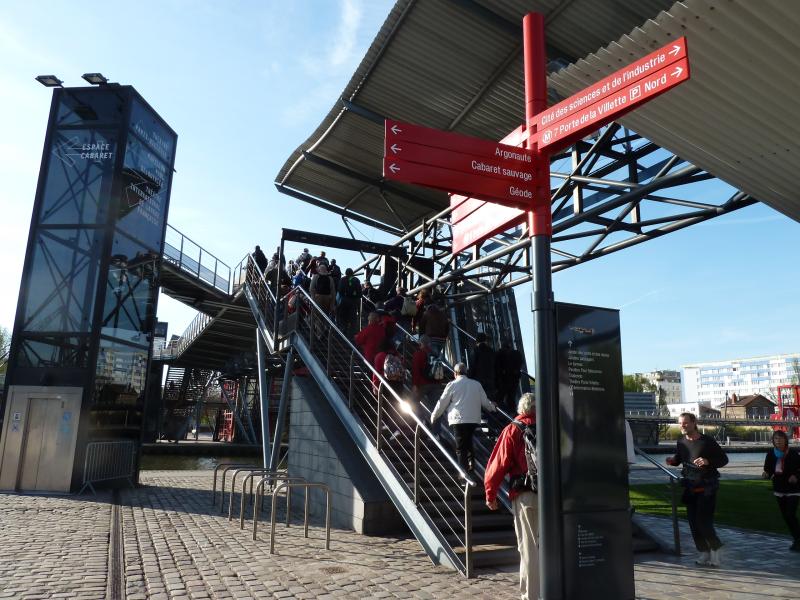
(700, 511)
(464, 454)
(788, 506)
(507, 397)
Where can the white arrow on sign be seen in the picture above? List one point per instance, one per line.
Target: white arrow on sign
(675, 50)
(394, 168)
(395, 148)
(396, 129)
(677, 72)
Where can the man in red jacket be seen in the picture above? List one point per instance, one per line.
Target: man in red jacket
(369, 338)
(508, 458)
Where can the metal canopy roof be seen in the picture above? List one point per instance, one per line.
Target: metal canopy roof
(457, 65)
(737, 116)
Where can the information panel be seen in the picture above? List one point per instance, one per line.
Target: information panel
(598, 554)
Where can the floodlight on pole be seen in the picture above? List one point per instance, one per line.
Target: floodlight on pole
(95, 78)
(49, 80)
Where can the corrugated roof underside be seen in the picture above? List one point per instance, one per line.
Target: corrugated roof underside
(449, 68)
(737, 115)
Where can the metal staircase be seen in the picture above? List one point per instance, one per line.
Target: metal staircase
(442, 506)
(185, 390)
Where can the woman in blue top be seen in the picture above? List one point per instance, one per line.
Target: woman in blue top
(782, 465)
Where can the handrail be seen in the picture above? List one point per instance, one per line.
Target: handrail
(652, 460)
(194, 265)
(385, 384)
(673, 487)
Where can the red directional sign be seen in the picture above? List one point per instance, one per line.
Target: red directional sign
(458, 164)
(507, 170)
(582, 123)
(476, 186)
(661, 58)
(398, 132)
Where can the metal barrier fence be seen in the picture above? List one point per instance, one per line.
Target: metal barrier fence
(109, 460)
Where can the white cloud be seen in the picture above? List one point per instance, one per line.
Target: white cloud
(641, 298)
(347, 35)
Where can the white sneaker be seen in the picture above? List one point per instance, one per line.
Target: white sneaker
(715, 559)
(703, 559)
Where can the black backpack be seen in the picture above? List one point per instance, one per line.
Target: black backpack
(323, 285)
(353, 287)
(530, 480)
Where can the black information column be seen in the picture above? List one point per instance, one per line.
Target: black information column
(598, 553)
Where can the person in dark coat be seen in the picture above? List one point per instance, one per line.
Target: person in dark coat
(700, 456)
(782, 465)
(507, 371)
(348, 295)
(481, 364)
(260, 258)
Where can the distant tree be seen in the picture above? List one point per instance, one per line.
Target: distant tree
(5, 344)
(637, 383)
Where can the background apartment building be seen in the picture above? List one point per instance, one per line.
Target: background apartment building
(668, 385)
(712, 381)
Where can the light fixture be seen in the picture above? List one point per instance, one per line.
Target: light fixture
(95, 78)
(49, 80)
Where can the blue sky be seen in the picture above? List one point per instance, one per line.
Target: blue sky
(245, 83)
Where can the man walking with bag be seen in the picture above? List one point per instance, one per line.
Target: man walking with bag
(700, 456)
(510, 457)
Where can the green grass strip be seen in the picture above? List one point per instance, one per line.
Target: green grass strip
(744, 503)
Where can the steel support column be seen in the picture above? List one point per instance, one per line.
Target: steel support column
(282, 408)
(551, 578)
(263, 393)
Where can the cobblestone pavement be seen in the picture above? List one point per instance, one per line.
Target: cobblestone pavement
(177, 546)
(54, 546)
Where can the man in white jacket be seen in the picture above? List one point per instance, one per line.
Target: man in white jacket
(462, 399)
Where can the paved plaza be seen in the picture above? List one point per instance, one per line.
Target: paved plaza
(174, 545)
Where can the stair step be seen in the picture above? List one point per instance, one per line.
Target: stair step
(641, 545)
(495, 557)
(493, 521)
(496, 537)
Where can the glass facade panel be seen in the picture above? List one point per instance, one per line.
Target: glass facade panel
(120, 374)
(130, 293)
(91, 106)
(53, 351)
(150, 130)
(79, 178)
(63, 280)
(143, 196)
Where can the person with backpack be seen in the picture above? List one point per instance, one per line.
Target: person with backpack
(426, 390)
(462, 399)
(514, 455)
(389, 364)
(348, 294)
(322, 290)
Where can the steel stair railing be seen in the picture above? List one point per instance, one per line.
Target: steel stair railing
(191, 258)
(483, 442)
(427, 485)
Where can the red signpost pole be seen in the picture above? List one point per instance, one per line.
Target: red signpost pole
(540, 227)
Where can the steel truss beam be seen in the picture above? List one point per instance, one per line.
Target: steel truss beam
(617, 191)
